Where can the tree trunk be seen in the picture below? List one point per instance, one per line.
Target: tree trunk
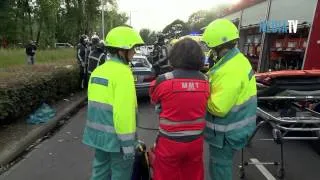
(81, 15)
(23, 27)
(39, 31)
(28, 8)
(17, 15)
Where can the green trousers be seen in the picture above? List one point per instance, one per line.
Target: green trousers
(220, 162)
(111, 166)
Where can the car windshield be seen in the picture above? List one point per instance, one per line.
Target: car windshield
(140, 62)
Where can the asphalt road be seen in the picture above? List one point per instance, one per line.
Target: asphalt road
(64, 157)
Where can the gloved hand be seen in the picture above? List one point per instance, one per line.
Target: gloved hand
(128, 148)
(129, 156)
(83, 64)
(140, 145)
(128, 153)
(157, 108)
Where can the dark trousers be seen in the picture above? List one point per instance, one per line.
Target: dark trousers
(83, 77)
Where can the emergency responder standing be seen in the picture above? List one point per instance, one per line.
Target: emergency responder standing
(159, 50)
(81, 57)
(30, 52)
(94, 40)
(112, 106)
(160, 56)
(92, 45)
(231, 117)
(96, 58)
(179, 146)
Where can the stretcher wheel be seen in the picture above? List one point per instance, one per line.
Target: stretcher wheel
(280, 173)
(241, 172)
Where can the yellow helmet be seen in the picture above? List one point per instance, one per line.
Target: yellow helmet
(123, 37)
(220, 31)
(173, 41)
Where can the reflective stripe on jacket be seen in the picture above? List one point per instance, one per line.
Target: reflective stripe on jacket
(95, 59)
(183, 97)
(232, 105)
(112, 104)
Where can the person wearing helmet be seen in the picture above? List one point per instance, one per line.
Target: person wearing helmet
(91, 45)
(112, 106)
(81, 57)
(160, 39)
(231, 108)
(173, 41)
(96, 57)
(160, 56)
(94, 41)
(158, 51)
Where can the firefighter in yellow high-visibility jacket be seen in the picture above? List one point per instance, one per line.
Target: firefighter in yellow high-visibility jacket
(112, 105)
(232, 105)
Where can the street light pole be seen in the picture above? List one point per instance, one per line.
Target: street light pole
(102, 18)
(130, 18)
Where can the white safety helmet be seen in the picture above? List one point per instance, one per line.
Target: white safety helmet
(95, 39)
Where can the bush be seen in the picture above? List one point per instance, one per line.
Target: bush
(23, 89)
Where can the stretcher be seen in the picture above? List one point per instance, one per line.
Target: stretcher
(285, 99)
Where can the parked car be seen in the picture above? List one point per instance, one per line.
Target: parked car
(143, 74)
(62, 45)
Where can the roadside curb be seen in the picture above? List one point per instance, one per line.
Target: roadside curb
(11, 152)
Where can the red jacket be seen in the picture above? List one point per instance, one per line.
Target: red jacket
(183, 98)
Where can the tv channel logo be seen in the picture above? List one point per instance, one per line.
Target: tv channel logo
(279, 26)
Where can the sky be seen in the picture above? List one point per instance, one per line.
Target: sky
(156, 14)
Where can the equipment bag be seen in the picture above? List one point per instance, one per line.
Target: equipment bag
(141, 169)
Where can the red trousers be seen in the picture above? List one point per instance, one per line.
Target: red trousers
(178, 160)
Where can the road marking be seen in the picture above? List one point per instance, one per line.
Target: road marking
(262, 169)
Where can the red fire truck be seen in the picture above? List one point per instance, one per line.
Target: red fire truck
(278, 51)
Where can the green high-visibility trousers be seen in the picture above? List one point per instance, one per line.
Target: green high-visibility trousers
(220, 162)
(111, 166)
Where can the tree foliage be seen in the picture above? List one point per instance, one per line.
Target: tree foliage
(200, 19)
(50, 21)
(148, 36)
(197, 20)
(176, 28)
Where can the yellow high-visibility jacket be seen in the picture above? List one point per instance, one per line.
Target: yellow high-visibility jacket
(112, 105)
(231, 116)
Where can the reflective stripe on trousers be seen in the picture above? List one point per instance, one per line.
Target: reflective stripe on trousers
(232, 126)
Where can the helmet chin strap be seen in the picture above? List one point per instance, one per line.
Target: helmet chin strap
(220, 52)
(125, 59)
(126, 56)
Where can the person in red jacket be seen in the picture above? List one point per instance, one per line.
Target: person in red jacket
(182, 96)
